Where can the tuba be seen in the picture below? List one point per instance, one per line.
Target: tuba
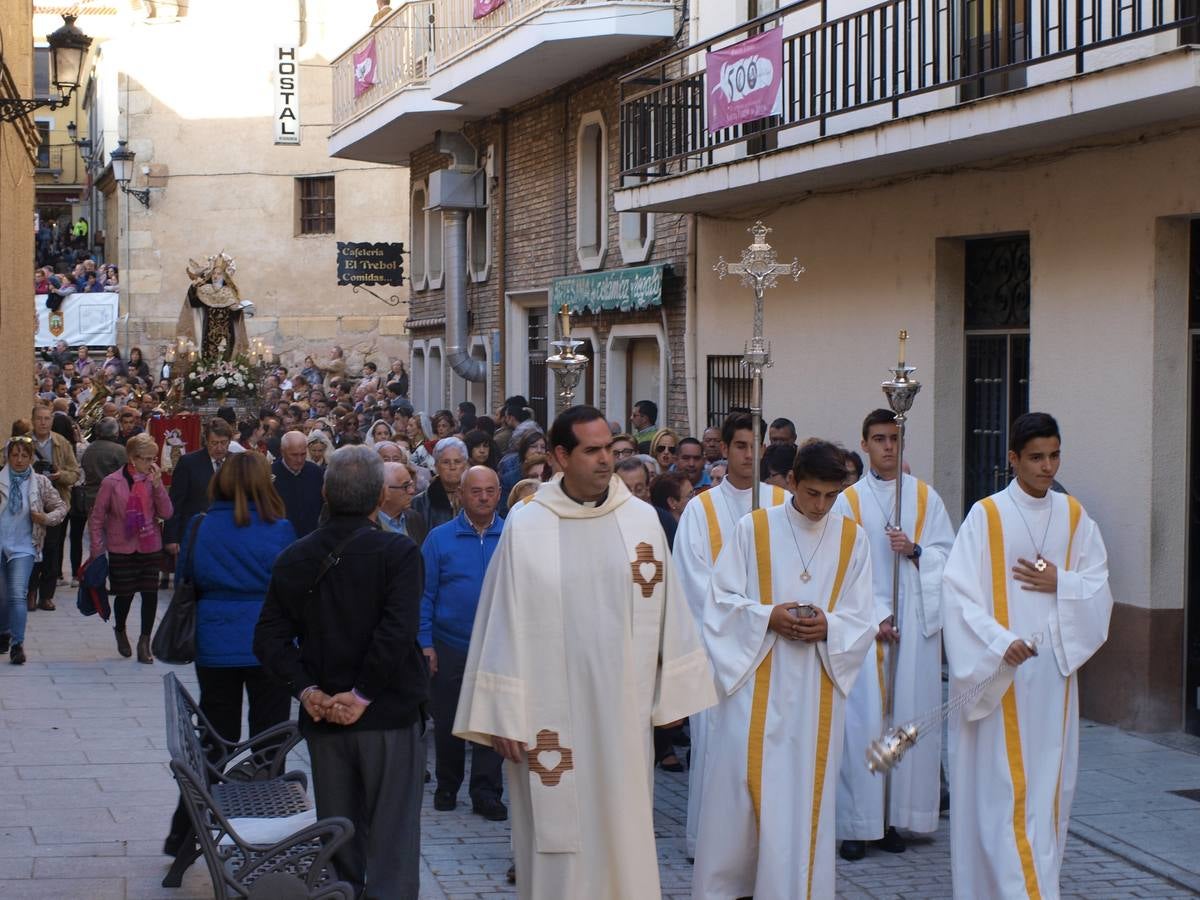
(92, 411)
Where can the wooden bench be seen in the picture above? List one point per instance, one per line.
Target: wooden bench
(252, 822)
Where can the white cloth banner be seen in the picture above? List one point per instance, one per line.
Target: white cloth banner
(82, 319)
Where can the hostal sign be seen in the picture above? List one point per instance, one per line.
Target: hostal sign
(370, 263)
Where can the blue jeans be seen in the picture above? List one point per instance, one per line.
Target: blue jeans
(14, 582)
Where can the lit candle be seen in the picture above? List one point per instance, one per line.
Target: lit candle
(903, 340)
(565, 313)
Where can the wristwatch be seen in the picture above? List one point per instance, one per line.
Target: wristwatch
(916, 554)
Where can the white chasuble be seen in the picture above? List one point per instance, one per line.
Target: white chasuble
(582, 643)
(1014, 750)
(775, 736)
(916, 782)
(706, 522)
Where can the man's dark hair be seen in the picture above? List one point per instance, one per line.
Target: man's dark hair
(666, 487)
(227, 413)
(855, 460)
(515, 407)
(820, 460)
(779, 459)
(735, 422)
(466, 406)
(1029, 427)
(785, 423)
(689, 440)
(219, 428)
(629, 463)
(649, 409)
(877, 417)
(562, 432)
(486, 424)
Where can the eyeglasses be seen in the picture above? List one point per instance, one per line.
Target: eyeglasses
(670, 450)
(407, 486)
(623, 454)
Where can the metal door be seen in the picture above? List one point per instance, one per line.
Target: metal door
(538, 341)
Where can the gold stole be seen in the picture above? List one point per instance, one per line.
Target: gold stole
(1012, 724)
(762, 682)
(851, 495)
(715, 539)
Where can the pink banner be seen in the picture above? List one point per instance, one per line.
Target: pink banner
(486, 7)
(364, 69)
(745, 81)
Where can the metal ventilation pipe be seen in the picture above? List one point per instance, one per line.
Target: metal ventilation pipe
(454, 224)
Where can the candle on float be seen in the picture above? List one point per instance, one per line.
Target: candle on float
(565, 314)
(903, 340)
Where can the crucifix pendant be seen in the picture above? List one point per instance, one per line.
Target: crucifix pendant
(805, 577)
(1040, 565)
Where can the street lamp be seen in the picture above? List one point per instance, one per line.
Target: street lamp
(85, 145)
(68, 49)
(122, 165)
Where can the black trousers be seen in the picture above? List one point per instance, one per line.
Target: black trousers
(121, 607)
(221, 702)
(486, 783)
(376, 780)
(49, 570)
(76, 525)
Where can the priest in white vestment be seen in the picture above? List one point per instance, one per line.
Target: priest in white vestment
(582, 643)
(1028, 565)
(788, 624)
(923, 543)
(706, 525)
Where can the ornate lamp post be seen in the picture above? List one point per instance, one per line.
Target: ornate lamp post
(68, 49)
(566, 363)
(759, 271)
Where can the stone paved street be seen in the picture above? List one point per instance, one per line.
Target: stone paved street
(85, 797)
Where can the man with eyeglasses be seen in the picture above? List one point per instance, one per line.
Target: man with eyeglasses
(395, 513)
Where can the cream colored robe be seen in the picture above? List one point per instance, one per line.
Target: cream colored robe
(916, 782)
(705, 527)
(775, 738)
(582, 643)
(1008, 830)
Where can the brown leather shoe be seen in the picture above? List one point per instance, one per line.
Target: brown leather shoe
(31, 601)
(123, 644)
(143, 649)
(47, 605)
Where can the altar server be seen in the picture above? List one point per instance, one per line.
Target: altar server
(706, 525)
(923, 543)
(1028, 565)
(582, 643)
(788, 624)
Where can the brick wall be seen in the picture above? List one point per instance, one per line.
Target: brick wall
(539, 160)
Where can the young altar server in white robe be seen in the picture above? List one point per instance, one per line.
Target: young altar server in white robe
(923, 543)
(788, 624)
(582, 643)
(1028, 565)
(706, 525)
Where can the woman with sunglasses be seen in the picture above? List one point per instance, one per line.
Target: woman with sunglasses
(664, 447)
(29, 504)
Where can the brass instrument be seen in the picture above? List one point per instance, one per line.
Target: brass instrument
(92, 411)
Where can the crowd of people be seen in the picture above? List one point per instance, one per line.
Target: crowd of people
(594, 593)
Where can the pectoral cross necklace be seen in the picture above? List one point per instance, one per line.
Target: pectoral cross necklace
(1040, 563)
(805, 576)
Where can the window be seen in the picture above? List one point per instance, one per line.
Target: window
(41, 72)
(591, 191)
(479, 227)
(434, 264)
(416, 246)
(314, 205)
(43, 153)
(728, 387)
(635, 229)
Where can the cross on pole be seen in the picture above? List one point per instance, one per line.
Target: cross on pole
(758, 270)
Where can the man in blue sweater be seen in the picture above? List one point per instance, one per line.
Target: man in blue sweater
(456, 559)
(298, 482)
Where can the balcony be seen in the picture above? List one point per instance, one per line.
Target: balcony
(903, 86)
(437, 66)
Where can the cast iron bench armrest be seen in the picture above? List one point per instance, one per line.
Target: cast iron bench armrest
(309, 850)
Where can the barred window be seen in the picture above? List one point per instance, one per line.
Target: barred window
(314, 205)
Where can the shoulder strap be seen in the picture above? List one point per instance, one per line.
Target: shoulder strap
(1075, 510)
(335, 555)
(778, 495)
(995, 531)
(189, 565)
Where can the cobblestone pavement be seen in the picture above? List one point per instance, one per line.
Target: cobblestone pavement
(85, 797)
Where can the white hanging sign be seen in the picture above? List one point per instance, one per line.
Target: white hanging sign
(287, 96)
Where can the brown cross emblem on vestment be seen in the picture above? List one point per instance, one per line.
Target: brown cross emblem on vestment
(548, 741)
(645, 557)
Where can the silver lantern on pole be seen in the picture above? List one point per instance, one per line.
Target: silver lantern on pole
(758, 270)
(566, 363)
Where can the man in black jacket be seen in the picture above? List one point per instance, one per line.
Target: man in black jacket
(189, 482)
(339, 626)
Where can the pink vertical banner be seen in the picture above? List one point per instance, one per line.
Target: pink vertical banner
(486, 7)
(364, 69)
(745, 81)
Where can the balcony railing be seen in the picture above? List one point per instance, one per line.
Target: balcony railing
(423, 36)
(875, 57)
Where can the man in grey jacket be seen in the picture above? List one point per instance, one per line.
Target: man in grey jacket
(102, 457)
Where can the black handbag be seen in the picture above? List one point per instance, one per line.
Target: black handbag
(175, 640)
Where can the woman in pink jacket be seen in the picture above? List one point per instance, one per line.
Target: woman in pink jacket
(126, 522)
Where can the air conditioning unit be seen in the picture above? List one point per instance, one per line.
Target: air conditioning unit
(457, 190)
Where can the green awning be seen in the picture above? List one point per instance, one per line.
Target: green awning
(625, 290)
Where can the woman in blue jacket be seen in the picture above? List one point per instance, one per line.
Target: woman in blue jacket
(236, 546)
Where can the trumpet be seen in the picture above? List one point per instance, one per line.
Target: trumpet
(92, 411)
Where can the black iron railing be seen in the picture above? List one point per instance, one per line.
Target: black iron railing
(875, 57)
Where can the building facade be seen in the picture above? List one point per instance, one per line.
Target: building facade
(226, 106)
(1021, 196)
(509, 126)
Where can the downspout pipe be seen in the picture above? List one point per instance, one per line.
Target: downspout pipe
(457, 351)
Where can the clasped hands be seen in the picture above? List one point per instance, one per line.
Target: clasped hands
(789, 626)
(340, 709)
